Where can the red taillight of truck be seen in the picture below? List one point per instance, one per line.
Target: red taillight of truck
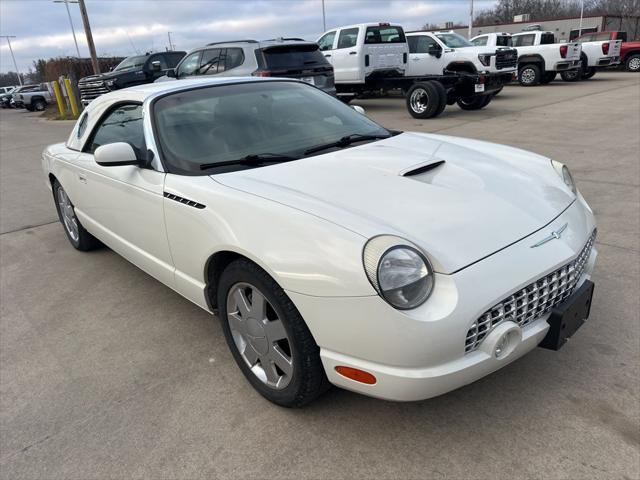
(605, 48)
(563, 51)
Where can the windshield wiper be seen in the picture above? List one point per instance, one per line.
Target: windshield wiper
(252, 160)
(344, 142)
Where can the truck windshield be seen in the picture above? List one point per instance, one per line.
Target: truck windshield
(384, 34)
(453, 40)
(131, 62)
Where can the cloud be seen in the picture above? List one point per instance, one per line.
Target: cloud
(127, 27)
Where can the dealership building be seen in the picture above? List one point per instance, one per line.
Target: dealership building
(565, 29)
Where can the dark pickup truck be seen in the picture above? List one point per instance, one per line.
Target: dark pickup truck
(131, 71)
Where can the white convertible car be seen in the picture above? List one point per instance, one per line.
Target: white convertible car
(335, 251)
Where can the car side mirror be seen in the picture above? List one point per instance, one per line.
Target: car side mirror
(171, 73)
(116, 155)
(358, 109)
(435, 51)
(155, 66)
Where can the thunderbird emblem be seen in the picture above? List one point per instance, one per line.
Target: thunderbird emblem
(554, 235)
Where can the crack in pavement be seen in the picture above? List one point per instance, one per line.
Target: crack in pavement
(20, 229)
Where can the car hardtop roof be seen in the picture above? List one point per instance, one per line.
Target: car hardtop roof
(259, 43)
(529, 32)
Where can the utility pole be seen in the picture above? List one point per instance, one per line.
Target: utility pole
(470, 20)
(324, 19)
(87, 31)
(170, 44)
(12, 56)
(66, 4)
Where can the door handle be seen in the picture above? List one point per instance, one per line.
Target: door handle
(327, 55)
(82, 178)
(415, 59)
(353, 53)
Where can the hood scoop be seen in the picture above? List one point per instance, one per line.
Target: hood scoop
(422, 169)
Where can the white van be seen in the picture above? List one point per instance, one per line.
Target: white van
(358, 51)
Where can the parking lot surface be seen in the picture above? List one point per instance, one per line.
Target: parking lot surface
(106, 373)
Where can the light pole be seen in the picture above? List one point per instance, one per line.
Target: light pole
(324, 19)
(470, 20)
(66, 4)
(170, 44)
(87, 32)
(581, 12)
(12, 56)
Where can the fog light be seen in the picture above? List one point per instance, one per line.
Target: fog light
(502, 346)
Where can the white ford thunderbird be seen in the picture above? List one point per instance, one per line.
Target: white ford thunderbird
(335, 251)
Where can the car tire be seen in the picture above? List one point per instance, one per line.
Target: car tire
(29, 108)
(632, 63)
(529, 75)
(548, 77)
(588, 73)
(474, 103)
(424, 100)
(39, 105)
(76, 233)
(271, 344)
(571, 75)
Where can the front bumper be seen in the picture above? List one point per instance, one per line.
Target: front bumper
(420, 353)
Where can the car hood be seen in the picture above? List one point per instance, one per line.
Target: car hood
(106, 75)
(482, 198)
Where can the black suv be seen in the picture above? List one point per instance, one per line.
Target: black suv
(131, 71)
(282, 57)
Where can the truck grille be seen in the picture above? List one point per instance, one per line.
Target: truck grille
(506, 58)
(91, 90)
(533, 301)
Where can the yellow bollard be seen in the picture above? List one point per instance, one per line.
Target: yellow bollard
(59, 99)
(72, 98)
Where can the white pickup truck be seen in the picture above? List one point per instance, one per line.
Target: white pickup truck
(540, 58)
(370, 59)
(434, 53)
(595, 55)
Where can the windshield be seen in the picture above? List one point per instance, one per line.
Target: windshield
(384, 34)
(131, 62)
(453, 40)
(296, 56)
(224, 123)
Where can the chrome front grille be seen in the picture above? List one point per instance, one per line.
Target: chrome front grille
(91, 90)
(507, 58)
(533, 301)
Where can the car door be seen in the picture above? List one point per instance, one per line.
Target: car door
(123, 205)
(347, 64)
(425, 56)
(326, 44)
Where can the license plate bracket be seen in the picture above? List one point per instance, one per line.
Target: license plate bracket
(568, 317)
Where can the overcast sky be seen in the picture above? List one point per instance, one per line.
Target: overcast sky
(127, 27)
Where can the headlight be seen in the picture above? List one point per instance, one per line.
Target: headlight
(485, 58)
(399, 271)
(566, 176)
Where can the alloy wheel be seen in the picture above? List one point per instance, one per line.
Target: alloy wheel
(528, 76)
(634, 64)
(259, 335)
(68, 215)
(419, 100)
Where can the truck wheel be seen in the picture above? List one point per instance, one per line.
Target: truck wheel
(571, 75)
(590, 72)
(39, 105)
(474, 103)
(529, 75)
(548, 77)
(633, 63)
(442, 92)
(424, 100)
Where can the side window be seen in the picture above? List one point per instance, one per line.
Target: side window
(547, 39)
(326, 41)
(421, 44)
(212, 61)
(82, 126)
(348, 38)
(123, 124)
(235, 57)
(524, 40)
(480, 41)
(189, 65)
(586, 38)
(172, 59)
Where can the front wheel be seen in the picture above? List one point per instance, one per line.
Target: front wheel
(77, 235)
(632, 64)
(425, 100)
(474, 103)
(39, 105)
(268, 337)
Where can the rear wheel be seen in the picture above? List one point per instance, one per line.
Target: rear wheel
(589, 72)
(268, 337)
(442, 92)
(529, 75)
(77, 235)
(571, 75)
(424, 100)
(39, 105)
(632, 64)
(548, 77)
(474, 103)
